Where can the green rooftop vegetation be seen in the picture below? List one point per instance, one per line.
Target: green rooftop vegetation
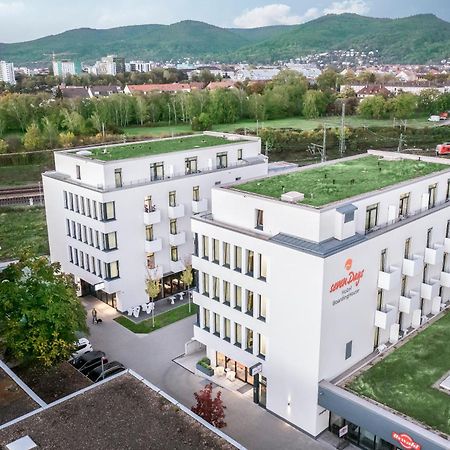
(156, 147)
(323, 185)
(404, 379)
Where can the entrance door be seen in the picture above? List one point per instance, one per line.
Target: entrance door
(263, 391)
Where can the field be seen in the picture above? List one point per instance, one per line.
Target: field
(21, 175)
(22, 228)
(338, 181)
(404, 379)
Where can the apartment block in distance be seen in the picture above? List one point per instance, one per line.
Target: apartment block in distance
(7, 72)
(304, 275)
(120, 214)
(64, 67)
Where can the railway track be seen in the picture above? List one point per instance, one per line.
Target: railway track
(23, 195)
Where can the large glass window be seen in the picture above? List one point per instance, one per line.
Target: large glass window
(432, 195)
(206, 319)
(156, 171)
(250, 262)
(249, 341)
(216, 324)
(238, 334)
(172, 198)
(262, 307)
(227, 329)
(259, 219)
(222, 160)
(107, 211)
(215, 292)
(118, 177)
(238, 258)
(110, 241)
(262, 267)
(262, 345)
(173, 226)
(65, 199)
(196, 193)
(226, 254)
(249, 302)
(150, 258)
(216, 246)
(205, 242)
(148, 205)
(174, 254)
(191, 165)
(149, 233)
(78, 172)
(238, 296)
(205, 284)
(112, 270)
(403, 208)
(226, 292)
(371, 217)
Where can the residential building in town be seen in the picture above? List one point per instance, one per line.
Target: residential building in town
(118, 215)
(7, 72)
(305, 274)
(64, 67)
(109, 65)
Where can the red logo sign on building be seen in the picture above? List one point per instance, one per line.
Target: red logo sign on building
(353, 277)
(406, 441)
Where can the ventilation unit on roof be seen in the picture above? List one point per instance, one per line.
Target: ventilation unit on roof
(84, 153)
(292, 197)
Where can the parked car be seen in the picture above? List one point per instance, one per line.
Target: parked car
(82, 346)
(82, 360)
(443, 149)
(92, 365)
(109, 369)
(434, 118)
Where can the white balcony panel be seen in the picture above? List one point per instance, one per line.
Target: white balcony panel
(408, 304)
(445, 279)
(177, 239)
(176, 266)
(385, 317)
(416, 318)
(436, 305)
(434, 255)
(412, 267)
(429, 290)
(151, 218)
(200, 206)
(156, 273)
(153, 246)
(447, 245)
(389, 280)
(394, 333)
(175, 212)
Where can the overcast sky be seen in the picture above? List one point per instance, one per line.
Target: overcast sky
(22, 20)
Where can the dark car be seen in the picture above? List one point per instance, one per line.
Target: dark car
(109, 369)
(82, 360)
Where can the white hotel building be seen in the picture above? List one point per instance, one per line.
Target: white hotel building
(303, 293)
(116, 218)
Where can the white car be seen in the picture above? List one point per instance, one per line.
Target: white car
(434, 119)
(82, 346)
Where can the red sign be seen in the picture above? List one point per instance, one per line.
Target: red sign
(406, 441)
(352, 278)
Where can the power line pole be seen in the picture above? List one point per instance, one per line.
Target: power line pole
(342, 136)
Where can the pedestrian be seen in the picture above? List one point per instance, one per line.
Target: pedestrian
(94, 315)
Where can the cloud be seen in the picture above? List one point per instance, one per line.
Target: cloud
(274, 14)
(11, 8)
(348, 6)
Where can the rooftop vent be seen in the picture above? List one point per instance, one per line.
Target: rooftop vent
(84, 153)
(24, 443)
(292, 197)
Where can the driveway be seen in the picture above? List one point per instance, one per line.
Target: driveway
(151, 355)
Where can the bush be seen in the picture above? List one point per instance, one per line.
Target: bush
(202, 123)
(3, 146)
(66, 139)
(205, 362)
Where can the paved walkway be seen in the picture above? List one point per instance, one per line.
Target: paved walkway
(151, 356)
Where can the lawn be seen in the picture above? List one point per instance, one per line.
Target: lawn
(21, 175)
(161, 320)
(404, 379)
(157, 147)
(338, 181)
(21, 228)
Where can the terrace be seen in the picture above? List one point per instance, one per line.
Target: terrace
(156, 147)
(337, 181)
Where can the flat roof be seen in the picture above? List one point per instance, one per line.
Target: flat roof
(407, 379)
(153, 147)
(330, 183)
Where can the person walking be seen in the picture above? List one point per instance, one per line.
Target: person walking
(94, 315)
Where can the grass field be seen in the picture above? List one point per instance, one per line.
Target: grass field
(338, 181)
(21, 175)
(22, 228)
(404, 379)
(161, 320)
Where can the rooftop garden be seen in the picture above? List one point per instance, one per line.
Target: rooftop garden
(404, 379)
(323, 185)
(156, 147)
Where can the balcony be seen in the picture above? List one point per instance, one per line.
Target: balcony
(152, 217)
(430, 290)
(176, 266)
(199, 206)
(156, 273)
(410, 303)
(447, 245)
(434, 255)
(177, 239)
(153, 246)
(390, 279)
(445, 279)
(412, 267)
(385, 317)
(175, 212)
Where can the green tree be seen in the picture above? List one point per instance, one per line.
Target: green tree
(49, 132)
(66, 139)
(187, 278)
(295, 86)
(327, 80)
(314, 104)
(33, 138)
(224, 106)
(374, 107)
(428, 101)
(202, 122)
(403, 106)
(153, 288)
(39, 311)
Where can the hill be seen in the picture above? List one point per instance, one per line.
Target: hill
(407, 40)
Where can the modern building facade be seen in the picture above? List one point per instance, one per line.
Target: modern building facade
(118, 215)
(7, 72)
(64, 67)
(291, 294)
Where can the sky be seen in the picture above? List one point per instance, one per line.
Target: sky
(22, 20)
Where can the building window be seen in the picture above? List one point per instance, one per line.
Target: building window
(259, 219)
(348, 349)
(205, 242)
(206, 324)
(403, 286)
(87, 262)
(215, 292)
(79, 231)
(227, 330)
(94, 209)
(93, 265)
(110, 241)
(216, 246)
(156, 171)
(447, 195)
(432, 195)
(82, 206)
(75, 254)
(71, 201)
(425, 274)
(88, 207)
(174, 254)
(149, 233)
(222, 160)
(99, 268)
(249, 340)
(249, 302)
(238, 259)
(429, 236)
(173, 226)
(191, 165)
(238, 335)
(77, 205)
(78, 172)
(85, 235)
(226, 254)
(148, 206)
(262, 267)
(107, 211)
(407, 253)
(70, 254)
(383, 258)
(447, 230)
(371, 217)
(97, 239)
(195, 244)
(262, 308)
(250, 262)
(172, 198)
(226, 292)
(112, 270)
(150, 260)
(205, 284)
(91, 237)
(238, 297)
(216, 324)
(403, 208)
(118, 177)
(239, 154)
(65, 199)
(68, 227)
(196, 193)
(262, 346)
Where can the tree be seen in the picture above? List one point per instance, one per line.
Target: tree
(403, 106)
(315, 104)
(187, 277)
(153, 288)
(202, 122)
(39, 311)
(209, 409)
(33, 137)
(374, 107)
(49, 132)
(327, 80)
(66, 139)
